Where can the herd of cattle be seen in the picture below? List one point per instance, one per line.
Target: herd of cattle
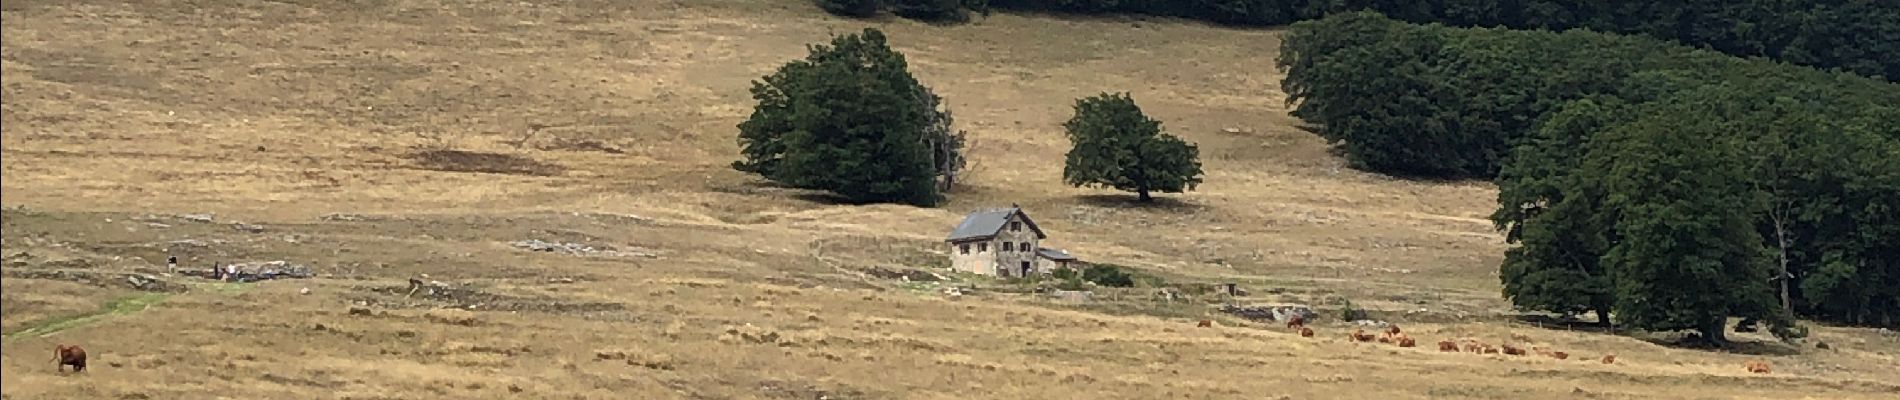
(1393, 335)
(74, 356)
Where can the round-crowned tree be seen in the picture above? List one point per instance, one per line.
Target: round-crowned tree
(850, 119)
(1117, 146)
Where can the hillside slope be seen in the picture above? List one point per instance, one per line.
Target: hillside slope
(377, 142)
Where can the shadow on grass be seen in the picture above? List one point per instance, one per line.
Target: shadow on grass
(1693, 342)
(1159, 203)
(1556, 323)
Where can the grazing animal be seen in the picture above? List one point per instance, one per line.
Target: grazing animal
(1392, 330)
(1474, 347)
(1512, 350)
(1296, 322)
(1609, 359)
(1560, 355)
(1448, 346)
(1406, 341)
(1756, 366)
(1306, 332)
(1361, 335)
(69, 355)
(1385, 339)
(1490, 350)
(1206, 323)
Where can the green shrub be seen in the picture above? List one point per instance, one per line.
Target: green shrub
(1108, 275)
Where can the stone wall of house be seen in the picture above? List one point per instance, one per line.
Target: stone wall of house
(1016, 247)
(977, 257)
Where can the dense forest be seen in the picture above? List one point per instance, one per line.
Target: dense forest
(1632, 172)
(1862, 36)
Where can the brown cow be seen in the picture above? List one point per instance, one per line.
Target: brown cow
(1448, 346)
(1296, 322)
(1206, 323)
(69, 355)
(1490, 350)
(1306, 332)
(1385, 339)
(1406, 341)
(1393, 330)
(1756, 366)
(1512, 350)
(1474, 347)
(1361, 335)
(1560, 355)
(1609, 359)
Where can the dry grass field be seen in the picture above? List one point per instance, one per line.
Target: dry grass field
(376, 141)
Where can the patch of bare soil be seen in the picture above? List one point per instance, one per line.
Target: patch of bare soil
(492, 163)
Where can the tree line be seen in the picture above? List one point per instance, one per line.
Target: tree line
(1861, 36)
(1663, 185)
(850, 119)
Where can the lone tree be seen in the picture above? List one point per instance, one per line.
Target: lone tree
(1117, 146)
(850, 119)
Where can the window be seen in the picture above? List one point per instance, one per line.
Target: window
(1006, 245)
(982, 247)
(1015, 227)
(1024, 246)
(965, 248)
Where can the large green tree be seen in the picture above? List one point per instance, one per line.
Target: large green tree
(850, 119)
(1116, 145)
(1550, 209)
(1685, 254)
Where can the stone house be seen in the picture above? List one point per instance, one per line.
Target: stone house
(1003, 242)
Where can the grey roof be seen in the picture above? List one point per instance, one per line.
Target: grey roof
(1054, 254)
(984, 224)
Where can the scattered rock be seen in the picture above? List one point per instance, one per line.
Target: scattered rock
(1821, 345)
(512, 388)
(359, 311)
(248, 228)
(189, 243)
(156, 225)
(347, 217)
(206, 217)
(1271, 313)
(577, 249)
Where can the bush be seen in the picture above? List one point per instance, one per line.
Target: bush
(1349, 313)
(1108, 275)
(1064, 273)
